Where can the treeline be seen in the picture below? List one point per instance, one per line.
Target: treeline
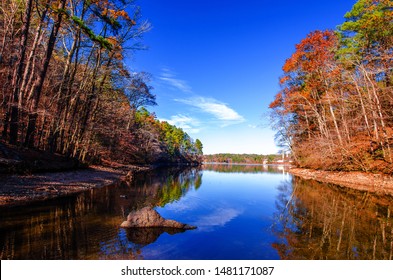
(244, 158)
(65, 86)
(334, 109)
(241, 168)
(159, 141)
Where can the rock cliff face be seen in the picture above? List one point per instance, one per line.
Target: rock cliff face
(148, 217)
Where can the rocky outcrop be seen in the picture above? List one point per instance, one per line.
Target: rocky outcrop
(149, 218)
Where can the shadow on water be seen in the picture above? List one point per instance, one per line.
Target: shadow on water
(323, 221)
(86, 226)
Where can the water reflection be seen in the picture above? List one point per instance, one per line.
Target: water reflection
(320, 221)
(242, 212)
(217, 218)
(245, 168)
(86, 226)
(67, 228)
(146, 236)
(159, 187)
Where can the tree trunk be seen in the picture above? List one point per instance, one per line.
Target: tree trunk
(14, 124)
(37, 88)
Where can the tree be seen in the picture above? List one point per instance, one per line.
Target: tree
(368, 27)
(139, 93)
(67, 89)
(334, 107)
(17, 79)
(199, 146)
(306, 106)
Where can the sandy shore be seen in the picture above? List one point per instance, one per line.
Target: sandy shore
(380, 184)
(24, 189)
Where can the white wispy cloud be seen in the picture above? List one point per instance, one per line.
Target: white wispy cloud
(223, 114)
(187, 123)
(170, 79)
(217, 218)
(219, 110)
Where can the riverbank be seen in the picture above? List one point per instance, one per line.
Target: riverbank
(29, 175)
(24, 189)
(380, 184)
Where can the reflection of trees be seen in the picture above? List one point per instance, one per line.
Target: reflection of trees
(178, 185)
(65, 228)
(316, 221)
(243, 168)
(159, 187)
(86, 226)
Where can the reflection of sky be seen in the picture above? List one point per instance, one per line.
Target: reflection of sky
(238, 216)
(187, 203)
(233, 213)
(218, 217)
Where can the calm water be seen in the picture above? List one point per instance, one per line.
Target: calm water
(242, 212)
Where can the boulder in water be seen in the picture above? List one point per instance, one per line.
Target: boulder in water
(148, 217)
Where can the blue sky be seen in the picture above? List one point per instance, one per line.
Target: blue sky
(216, 64)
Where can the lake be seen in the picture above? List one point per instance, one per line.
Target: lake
(241, 212)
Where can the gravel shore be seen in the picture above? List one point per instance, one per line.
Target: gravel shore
(24, 189)
(380, 184)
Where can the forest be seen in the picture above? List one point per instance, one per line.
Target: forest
(244, 158)
(67, 86)
(334, 107)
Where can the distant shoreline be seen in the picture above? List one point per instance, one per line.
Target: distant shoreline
(245, 163)
(380, 184)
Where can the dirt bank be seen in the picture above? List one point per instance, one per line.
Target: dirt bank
(380, 184)
(24, 189)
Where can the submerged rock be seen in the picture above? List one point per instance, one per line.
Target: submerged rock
(148, 217)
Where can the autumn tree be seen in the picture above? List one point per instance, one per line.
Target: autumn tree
(66, 86)
(305, 108)
(334, 107)
(159, 139)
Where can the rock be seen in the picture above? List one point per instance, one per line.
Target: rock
(148, 217)
(129, 175)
